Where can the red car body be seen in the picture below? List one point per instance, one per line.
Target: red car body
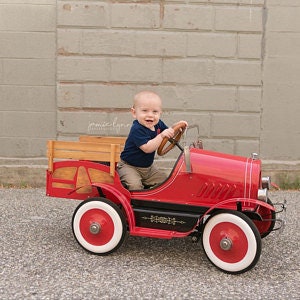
(203, 185)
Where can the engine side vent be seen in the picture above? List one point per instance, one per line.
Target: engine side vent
(216, 191)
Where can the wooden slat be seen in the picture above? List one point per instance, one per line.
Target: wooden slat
(112, 158)
(83, 151)
(50, 146)
(103, 139)
(82, 146)
(81, 155)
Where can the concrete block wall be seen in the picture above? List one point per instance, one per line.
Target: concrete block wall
(203, 57)
(228, 66)
(280, 135)
(27, 77)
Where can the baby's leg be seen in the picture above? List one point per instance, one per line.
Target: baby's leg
(129, 176)
(155, 176)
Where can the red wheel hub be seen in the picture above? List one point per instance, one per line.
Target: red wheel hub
(228, 242)
(92, 218)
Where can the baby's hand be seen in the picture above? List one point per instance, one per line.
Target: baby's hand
(185, 122)
(168, 133)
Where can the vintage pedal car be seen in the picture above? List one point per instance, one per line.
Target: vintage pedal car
(217, 198)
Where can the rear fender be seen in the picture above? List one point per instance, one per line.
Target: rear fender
(245, 204)
(117, 196)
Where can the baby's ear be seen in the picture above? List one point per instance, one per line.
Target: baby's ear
(133, 111)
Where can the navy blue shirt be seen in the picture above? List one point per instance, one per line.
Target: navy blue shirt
(138, 136)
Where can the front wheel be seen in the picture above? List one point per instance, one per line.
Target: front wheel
(99, 226)
(231, 242)
(267, 224)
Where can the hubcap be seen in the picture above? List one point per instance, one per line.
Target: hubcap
(95, 228)
(226, 244)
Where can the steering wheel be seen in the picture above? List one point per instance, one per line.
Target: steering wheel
(178, 131)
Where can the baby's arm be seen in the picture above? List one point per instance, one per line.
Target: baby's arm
(153, 144)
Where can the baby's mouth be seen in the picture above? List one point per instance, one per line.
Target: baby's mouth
(149, 122)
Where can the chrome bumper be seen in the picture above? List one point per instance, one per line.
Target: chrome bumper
(280, 221)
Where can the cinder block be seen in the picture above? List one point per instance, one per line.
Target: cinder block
(246, 147)
(27, 98)
(24, 17)
(249, 99)
(82, 69)
(280, 147)
(108, 96)
(236, 125)
(29, 124)
(38, 146)
(41, 2)
(136, 70)
(135, 15)
(283, 19)
(23, 148)
(1, 122)
(211, 44)
(249, 2)
(14, 147)
(195, 98)
(238, 72)
(111, 42)
(280, 123)
(200, 120)
(282, 70)
(290, 3)
(187, 71)
(69, 95)
(208, 98)
(219, 145)
(250, 46)
(283, 44)
(239, 19)
(29, 71)
(97, 96)
(69, 41)
(1, 70)
(82, 14)
(281, 117)
(27, 44)
(196, 17)
(158, 43)
(97, 123)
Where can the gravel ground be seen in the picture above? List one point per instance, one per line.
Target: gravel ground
(41, 260)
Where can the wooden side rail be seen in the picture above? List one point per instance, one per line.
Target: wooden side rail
(83, 151)
(103, 139)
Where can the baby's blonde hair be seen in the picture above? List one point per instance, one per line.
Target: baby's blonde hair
(144, 94)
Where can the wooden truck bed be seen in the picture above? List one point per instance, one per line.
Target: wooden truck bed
(92, 148)
(72, 167)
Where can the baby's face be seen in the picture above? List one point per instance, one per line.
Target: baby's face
(147, 110)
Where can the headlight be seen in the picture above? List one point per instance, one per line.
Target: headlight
(266, 182)
(262, 195)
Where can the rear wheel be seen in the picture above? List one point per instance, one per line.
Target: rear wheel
(231, 242)
(99, 226)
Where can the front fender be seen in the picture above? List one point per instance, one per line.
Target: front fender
(118, 196)
(245, 204)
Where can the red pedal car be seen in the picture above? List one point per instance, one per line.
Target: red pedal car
(217, 198)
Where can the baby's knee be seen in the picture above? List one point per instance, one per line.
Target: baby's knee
(136, 185)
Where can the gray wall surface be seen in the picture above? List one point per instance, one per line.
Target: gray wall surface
(231, 67)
